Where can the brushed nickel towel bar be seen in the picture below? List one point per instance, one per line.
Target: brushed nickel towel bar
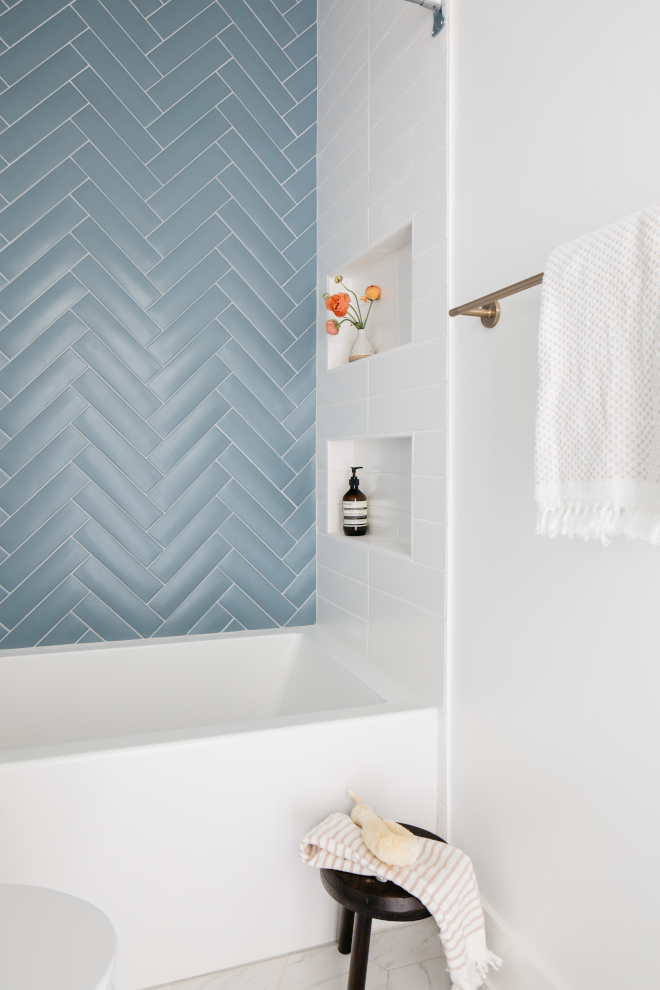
(488, 307)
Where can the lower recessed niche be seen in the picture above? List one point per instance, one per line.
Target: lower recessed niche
(386, 480)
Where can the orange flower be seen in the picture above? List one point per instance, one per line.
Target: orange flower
(339, 303)
(372, 292)
(332, 327)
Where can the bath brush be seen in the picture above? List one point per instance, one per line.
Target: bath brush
(390, 842)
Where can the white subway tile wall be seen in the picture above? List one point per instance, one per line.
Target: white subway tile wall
(382, 220)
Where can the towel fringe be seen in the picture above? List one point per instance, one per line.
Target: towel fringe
(488, 960)
(598, 522)
(477, 968)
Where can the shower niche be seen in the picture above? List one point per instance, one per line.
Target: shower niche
(386, 480)
(389, 266)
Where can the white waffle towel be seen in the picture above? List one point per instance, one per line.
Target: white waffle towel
(598, 421)
(442, 878)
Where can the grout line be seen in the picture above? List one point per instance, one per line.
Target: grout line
(127, 71)
(39, 103)
(13, 242)
(109, 607)
(422, 81)
(71, 536)
(121, 174)
(267, 511)
(402, 52)
(116, 577)
(178, 245)
(99, 413)
(407, 178)
(259, 159)
(338, 70)
(295, 70)
(162, 113)
(178, 282)
(69, 271)
(173, 33)
(119, 544)
(333, 201)
(128, 258)
(90, 481)
(256, 154)
(68, 120)
(332, 109)
(178, 66)
(52, 53)
(144, 347)
(276, 590)
(88, 178)
(339, 27)
(331, 144)
(255, 430)
(11, 202)
(122, 140)
(10, 399)
(119, 100)
(422, 124)
(210, 3)
(27, 614)
(266, 28)
(108, 9)
(164, 185)
(255, 534)
(253, 600)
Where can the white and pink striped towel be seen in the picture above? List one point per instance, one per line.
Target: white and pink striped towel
(442, 878)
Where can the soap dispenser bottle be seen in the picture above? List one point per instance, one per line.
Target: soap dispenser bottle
(355, 507)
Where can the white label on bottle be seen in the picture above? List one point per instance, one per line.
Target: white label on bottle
(355, 513)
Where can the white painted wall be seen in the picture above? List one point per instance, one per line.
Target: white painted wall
(554, 644)
(381, 173)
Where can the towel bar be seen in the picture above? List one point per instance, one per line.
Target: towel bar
(488, 307)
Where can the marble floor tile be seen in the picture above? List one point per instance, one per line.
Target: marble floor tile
(411, 943)
(376, 980)
(405, 957)
(430, 975)
(324, 968)
(257, 976)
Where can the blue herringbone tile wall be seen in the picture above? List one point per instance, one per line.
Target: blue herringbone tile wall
(157, 274)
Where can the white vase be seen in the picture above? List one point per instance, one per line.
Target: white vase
(362, 346)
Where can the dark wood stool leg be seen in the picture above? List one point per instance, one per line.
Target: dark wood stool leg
(346, 931)
(357, 974)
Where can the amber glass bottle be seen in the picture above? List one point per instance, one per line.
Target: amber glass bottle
(355, 507)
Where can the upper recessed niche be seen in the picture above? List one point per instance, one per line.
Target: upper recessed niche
(389, 266)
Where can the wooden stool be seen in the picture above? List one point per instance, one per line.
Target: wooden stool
(369, 898)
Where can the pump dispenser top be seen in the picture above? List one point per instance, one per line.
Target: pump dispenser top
(354, 507)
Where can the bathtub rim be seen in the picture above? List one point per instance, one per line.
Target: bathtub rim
(396, 697)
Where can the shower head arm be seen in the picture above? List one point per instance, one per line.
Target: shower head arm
(438, 14)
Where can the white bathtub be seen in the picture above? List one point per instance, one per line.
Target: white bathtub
(169, 783)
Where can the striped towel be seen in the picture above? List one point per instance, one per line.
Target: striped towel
(442, 878)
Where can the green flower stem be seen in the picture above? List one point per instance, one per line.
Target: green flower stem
(360, 323)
